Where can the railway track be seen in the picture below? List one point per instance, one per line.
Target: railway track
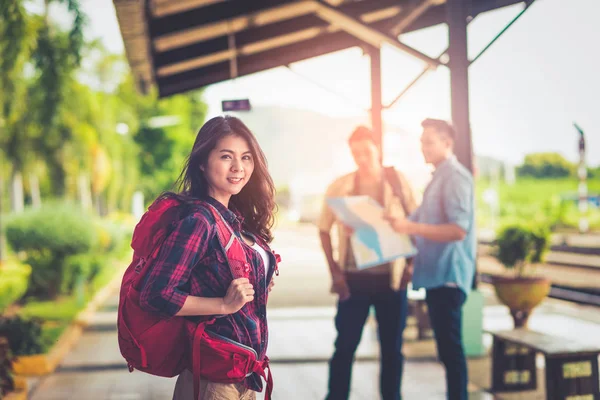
(562, 292)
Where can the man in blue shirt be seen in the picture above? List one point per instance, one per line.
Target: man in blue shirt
(443, 228)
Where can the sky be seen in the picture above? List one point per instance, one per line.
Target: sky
(525, 91)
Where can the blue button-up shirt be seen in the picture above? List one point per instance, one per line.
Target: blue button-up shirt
(448, 199)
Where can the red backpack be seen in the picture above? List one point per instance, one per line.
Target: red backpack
(161, 346)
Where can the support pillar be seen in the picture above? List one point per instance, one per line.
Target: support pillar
(456, 17)
(376, 106)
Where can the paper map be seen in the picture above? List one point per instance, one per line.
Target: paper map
(374, 241)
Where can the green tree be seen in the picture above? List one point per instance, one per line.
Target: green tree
(17, 41)
(594, 173)
(56, 58)
(165, 133)
(546, 165)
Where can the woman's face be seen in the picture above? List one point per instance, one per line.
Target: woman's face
(229, 168)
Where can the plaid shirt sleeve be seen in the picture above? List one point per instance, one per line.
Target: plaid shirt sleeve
(164, 290)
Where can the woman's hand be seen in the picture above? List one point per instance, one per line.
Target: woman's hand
(239, 293)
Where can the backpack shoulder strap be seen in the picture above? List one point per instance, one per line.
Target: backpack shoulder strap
(392, 177)
(224, 231)
(236, 256)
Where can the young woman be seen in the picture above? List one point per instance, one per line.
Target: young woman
(225, 177)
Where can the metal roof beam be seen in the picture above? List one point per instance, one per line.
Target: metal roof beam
(413, 14)
(437, 14)
(515, 19)
(369, 34)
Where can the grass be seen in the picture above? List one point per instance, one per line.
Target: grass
(57, 314)
(51, 332)
(537, 200)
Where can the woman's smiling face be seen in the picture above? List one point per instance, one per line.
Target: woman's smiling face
(229, 168)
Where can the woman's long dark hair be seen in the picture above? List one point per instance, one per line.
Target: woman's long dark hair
(256, 201)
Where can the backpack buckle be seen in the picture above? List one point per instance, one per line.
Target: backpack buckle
(140, 264)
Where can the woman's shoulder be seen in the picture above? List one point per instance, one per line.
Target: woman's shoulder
(201, 213)
(197, 218)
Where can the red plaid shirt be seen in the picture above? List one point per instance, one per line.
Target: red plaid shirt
(191, 261)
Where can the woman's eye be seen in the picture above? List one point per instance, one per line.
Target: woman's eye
(225, 157)
(247, 158)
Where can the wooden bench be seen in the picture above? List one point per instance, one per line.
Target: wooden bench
(571, 367)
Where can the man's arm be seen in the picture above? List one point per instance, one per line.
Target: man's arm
(458, 207)
(338, 279)
(325, 224)
(334, 268)
(436, 233)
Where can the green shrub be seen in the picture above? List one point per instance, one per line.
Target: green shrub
(103, 278)
(14, 278)
(63, 310)
(77, 271)
(24, 336)
(519, 245)
(116, 237)
(80, 269)
(47, 237)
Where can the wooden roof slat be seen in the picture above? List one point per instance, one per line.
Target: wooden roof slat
(161, 8)
(257, 62)
(257, 39)
(210, 14)
(198, 33)
(248, 36)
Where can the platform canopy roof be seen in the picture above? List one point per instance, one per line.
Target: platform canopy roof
(180, 45)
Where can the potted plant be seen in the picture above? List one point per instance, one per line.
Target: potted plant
(519, 247)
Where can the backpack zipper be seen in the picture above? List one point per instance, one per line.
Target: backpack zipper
(233, 342)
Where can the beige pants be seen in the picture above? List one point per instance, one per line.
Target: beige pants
(184, 389)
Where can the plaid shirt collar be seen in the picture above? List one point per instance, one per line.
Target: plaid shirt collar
(232, 217)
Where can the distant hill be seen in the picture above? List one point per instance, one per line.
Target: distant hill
(306, 150)
(487, 166)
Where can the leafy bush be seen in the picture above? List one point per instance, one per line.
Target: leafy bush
(47, 237)
(104, 276)
(113, 237)
(24, 335)
(520, 245)
(14, 278)
(81, 269)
